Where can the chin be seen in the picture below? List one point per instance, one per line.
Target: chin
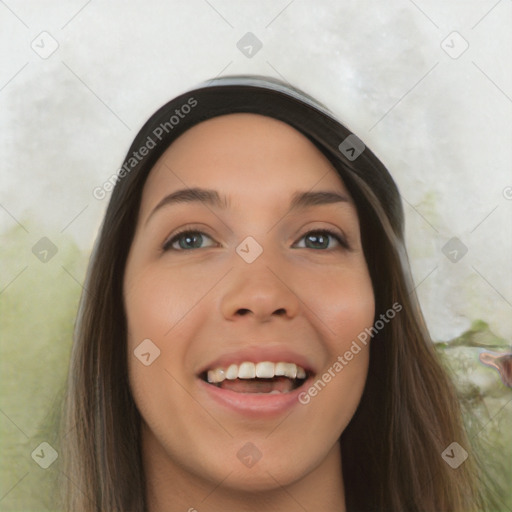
(265, 478)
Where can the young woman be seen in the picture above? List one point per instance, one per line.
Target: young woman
(249, 337)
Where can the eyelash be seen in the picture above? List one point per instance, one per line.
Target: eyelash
(168, 244)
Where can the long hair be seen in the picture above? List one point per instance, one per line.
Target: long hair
(408, 414)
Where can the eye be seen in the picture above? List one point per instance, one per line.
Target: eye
(320, 239)
(191, 240)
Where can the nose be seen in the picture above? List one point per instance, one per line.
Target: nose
(259, 291)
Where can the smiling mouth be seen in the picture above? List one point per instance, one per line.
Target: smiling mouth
(258, 385)
(250, 383)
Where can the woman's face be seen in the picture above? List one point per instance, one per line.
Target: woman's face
(255, 282)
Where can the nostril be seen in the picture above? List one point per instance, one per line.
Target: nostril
(243, 312)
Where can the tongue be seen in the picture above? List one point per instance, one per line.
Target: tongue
(281, 384)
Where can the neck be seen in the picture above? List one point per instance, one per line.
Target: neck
(173, 489)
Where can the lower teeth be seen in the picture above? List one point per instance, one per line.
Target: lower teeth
(273, 392)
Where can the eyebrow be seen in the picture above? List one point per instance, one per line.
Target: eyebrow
(300, 200)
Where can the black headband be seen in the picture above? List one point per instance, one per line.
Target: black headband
(270, 97)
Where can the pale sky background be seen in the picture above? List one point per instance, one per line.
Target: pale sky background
(438, 114)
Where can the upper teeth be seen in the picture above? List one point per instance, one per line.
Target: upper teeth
(263, 370)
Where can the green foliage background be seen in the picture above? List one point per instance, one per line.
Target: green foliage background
(38, 310)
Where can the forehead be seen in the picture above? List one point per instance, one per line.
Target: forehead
(242, 154)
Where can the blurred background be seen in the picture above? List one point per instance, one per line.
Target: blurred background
(427, 85)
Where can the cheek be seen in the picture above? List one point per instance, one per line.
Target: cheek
(152, 309)
(157, 304)
(345, 303)
(161, 306)
(346, 307)
(157, 301)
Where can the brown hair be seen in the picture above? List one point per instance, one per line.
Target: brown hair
(408, 414)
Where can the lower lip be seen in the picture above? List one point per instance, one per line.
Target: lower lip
(253, 405)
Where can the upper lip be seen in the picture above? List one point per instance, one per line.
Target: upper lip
(258, 353)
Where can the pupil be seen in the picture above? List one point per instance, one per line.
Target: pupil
(316, 238)
(188, 239)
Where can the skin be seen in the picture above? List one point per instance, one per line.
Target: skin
(197, 303)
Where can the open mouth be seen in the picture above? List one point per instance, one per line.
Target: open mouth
(258, 385)
(260, 378)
